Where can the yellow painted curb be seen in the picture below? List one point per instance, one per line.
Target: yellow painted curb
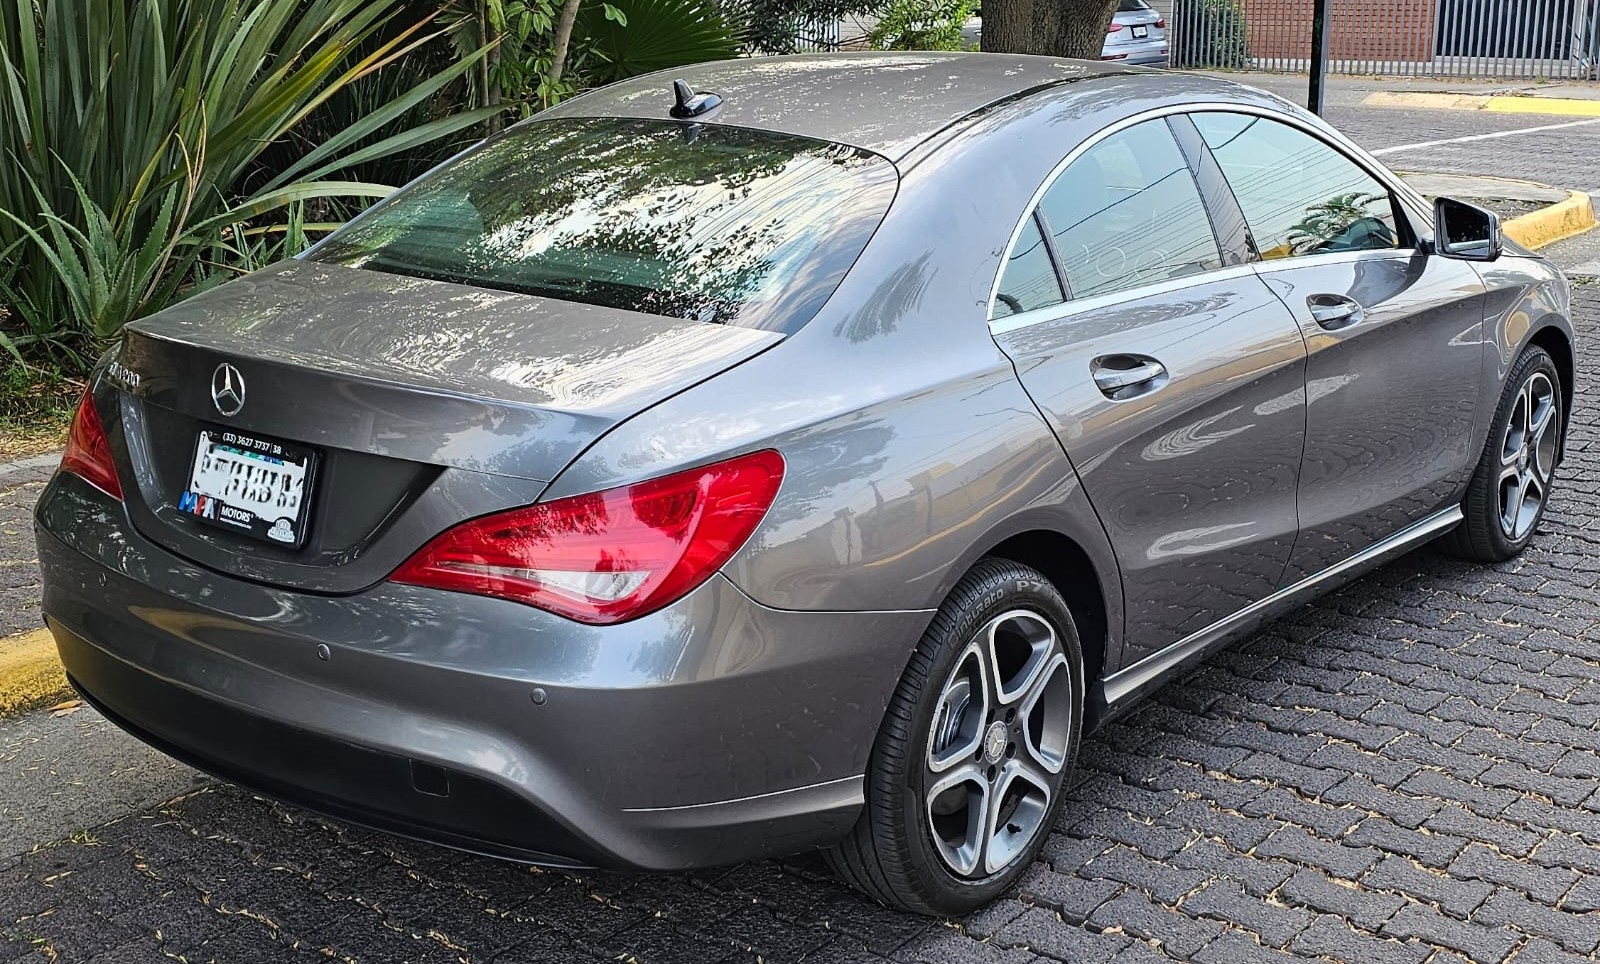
(1497, 103)
(1426, 99)
(1565, 106)
(30, 672)
(1556, 222)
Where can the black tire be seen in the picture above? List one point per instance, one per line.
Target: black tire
(892, 854)
(1483, 534)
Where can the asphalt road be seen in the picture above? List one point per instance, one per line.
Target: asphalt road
(1402, 772)
(1561, 151)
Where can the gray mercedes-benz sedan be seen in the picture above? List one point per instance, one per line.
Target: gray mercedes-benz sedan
(805, 455)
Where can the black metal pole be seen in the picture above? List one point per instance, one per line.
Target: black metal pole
(1319, 55)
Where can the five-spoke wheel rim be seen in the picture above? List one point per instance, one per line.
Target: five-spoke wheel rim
(1528, 455)
(998, 744)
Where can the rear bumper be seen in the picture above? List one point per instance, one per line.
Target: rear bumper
(714, 731)
(1141, 54)
(304, 768)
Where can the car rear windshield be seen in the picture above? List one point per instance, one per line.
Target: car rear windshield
(1132, 6)
(718, 224)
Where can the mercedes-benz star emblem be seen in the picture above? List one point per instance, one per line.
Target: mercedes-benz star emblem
(227, 390)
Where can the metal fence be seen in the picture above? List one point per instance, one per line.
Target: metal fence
(760, 33)
(814, 35)
(1554, 39)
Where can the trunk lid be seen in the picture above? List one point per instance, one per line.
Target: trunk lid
(388, 381)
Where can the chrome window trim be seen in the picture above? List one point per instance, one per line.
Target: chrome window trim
(1276, 265)
(1068, 309)
(1335, 140)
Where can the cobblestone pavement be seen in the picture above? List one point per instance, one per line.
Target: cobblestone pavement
(1404, 772)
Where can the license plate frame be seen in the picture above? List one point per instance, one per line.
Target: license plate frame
(240, 511)
(1141, 32)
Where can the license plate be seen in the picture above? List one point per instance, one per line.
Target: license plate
(1139, 33)
(254, 486)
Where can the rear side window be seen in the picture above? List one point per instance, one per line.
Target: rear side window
(718, 224)
(1127, 213)
(1028, 280)
(1299, 195)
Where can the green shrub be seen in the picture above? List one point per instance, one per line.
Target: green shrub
(786, 26)
(610, 40)
(517, 76)
(625, 38)
(35, 407)
(132, 133)
(921, 25)
(1210, 33)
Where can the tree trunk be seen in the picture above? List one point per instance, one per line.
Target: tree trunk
(1008, 26)
(563, 39)
(1055, 28)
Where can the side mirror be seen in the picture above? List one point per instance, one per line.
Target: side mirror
(1465, 231)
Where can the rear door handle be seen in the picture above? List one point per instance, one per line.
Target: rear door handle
(1122, 377)
(1334, 312)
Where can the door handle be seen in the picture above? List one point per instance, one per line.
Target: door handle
(1122, 377)
(1334, 312)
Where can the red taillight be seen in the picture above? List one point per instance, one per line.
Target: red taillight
(88, 454)
(606, 556)
(1114, 28)
(1161, 23)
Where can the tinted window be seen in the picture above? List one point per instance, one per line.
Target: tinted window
(731, 225)
(1128, 213)
(1132, 6)
(1029, 279)
(1299, 195)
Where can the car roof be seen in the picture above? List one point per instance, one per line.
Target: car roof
(886, 102)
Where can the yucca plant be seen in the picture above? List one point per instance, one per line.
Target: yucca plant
(130, 128)
(368, 95)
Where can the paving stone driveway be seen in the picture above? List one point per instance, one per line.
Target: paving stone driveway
(1405, 772)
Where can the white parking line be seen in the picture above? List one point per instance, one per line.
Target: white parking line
(1483, 137)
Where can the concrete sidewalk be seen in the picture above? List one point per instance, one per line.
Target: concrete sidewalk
(1533, 215)
(20, 485)
(73, 769)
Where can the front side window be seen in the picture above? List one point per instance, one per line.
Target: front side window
(1299, 195)
(718, 224)
(1127, 213)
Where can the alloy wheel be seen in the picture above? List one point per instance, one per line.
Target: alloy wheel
(998, 744)
(1528, 455)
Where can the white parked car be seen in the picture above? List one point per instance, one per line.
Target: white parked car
(1136, 35)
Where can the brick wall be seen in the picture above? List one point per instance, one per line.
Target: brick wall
(1361, 29)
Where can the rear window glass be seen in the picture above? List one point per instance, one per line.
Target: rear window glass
(1132, 6)
(718, 224)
